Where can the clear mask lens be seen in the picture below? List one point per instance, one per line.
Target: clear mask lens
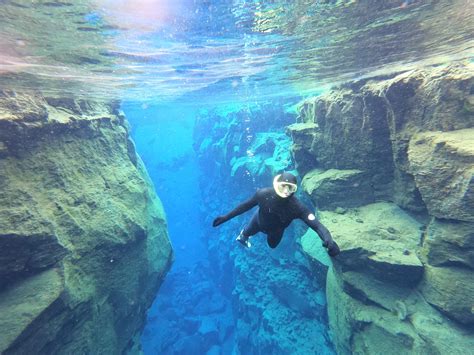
(288, 188)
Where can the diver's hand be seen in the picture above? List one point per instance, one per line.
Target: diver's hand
(332, 247)
(218, 221)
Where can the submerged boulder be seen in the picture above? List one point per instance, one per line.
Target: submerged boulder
(449, 243)
(83, 236)
(451, 290)
(338, 188)
(391, 320)
(381, 298)
(379, 239)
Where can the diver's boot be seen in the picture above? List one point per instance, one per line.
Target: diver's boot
(242, 239)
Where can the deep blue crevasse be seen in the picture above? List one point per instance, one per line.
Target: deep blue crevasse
(203, 162)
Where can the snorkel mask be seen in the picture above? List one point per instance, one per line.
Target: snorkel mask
(285, 185)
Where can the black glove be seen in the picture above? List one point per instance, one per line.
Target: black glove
(333, 248)
(218, 221)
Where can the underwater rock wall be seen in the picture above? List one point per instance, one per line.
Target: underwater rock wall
(83, 236)
(390, 164)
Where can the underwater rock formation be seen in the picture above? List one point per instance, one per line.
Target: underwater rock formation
(279, 306)
(449, 243)
(240, 144)
(266, 156)
(390, 163)
(334, 188)
(83, 237)
(442, 164)
(185, 318)
(378, 240)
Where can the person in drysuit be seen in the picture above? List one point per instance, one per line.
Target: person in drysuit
(278, 207)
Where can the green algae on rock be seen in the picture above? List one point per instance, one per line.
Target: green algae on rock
(369, 311)
(311, 245)
(80, 218)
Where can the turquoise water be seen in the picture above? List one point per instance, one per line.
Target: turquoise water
(209, 88)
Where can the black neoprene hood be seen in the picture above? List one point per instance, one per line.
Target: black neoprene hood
(288, 177)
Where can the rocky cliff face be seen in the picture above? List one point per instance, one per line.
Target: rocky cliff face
(83, 237)
(390, 163)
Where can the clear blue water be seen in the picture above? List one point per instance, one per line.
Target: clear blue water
(188, 73)
(167, 151)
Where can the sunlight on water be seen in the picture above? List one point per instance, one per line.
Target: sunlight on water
(161, 49)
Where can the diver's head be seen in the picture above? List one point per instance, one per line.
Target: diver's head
(285, 184)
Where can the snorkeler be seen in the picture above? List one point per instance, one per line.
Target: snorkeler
(277, 208)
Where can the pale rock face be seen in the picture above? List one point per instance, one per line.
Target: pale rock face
(334, 188)
(382, 297)
(83, 237)
(443, 166)
(378, 239)
(449, 243)
(450, 290)
(388, 320)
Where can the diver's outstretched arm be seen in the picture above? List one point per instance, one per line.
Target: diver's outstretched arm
(243, 207)
(311, 221)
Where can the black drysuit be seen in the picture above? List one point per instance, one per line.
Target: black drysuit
(274, 215)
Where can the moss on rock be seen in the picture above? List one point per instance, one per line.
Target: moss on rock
(370, 316)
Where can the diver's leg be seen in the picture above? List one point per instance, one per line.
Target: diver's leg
(252, 228)
(274, 238)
